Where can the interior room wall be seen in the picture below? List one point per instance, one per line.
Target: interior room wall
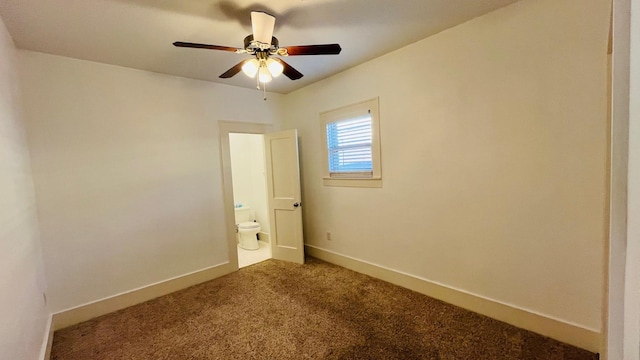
(259, 183)
(22, 305)
(241, 168)
(249, 175)
(494, 145)
(127, 172)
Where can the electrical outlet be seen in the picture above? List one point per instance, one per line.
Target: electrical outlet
(328, 236)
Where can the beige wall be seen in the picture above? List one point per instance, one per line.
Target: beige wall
(249, 175)
(494, 154)
(23, 314)
(127, 172)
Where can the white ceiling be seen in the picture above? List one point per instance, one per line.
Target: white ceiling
(139, 33)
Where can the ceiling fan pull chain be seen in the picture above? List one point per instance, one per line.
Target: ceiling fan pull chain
(264, 89)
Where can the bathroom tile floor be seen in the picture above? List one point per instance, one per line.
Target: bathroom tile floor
(250, 257)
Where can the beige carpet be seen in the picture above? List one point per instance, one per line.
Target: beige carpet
(278, 310)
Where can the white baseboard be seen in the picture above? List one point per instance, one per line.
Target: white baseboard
(110, 304)
(572, 334)
(47, 340)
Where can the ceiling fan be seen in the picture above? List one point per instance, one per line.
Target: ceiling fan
(263, 45)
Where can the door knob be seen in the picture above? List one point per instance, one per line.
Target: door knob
(297, 204)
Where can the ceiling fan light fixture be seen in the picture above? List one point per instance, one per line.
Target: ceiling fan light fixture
(275, 67)
(264, 76)
(250, 68)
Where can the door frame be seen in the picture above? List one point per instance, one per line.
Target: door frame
(619, 325)
(226, 128)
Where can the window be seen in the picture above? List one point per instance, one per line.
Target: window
(351, 145)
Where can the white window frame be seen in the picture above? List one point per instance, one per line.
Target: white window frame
(344, 113)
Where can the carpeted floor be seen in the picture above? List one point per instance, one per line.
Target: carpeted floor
(278, 310)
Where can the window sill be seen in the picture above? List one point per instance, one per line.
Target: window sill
(364, 183)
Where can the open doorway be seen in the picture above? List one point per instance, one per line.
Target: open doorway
(285, 235)
(251, 209)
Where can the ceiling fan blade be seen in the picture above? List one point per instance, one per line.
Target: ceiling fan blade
(325, 49)
(205, 46)
(289, 71)
(262, 25)
(234, 70)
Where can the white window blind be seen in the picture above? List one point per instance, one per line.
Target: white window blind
(349, 147)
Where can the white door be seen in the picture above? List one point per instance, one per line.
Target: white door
(283, 185)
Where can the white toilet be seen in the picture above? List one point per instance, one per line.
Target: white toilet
(247, 228)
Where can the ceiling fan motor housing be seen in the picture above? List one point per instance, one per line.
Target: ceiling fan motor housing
(252, 46)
